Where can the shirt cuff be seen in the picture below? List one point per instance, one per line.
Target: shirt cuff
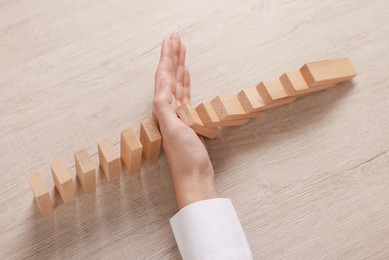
(210, 229)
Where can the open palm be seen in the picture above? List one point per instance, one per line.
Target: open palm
(191, 168)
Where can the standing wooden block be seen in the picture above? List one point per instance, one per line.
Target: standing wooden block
(328, 72)
(209, 117)
(230, 108)
(151, 139)
(109, 159)
(41, 193)
(63, 180)
(131, 150)
(85, 170)
(273, 92)
(189, 116)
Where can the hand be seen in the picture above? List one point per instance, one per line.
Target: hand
(191, 168)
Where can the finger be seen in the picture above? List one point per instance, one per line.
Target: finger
(181, 65)
(186, 86)
(174, 102)
(166, 61)
(164, 93)
(163, 109)
(176, 41)
(179, 93)
(180, 75)
(165, 66)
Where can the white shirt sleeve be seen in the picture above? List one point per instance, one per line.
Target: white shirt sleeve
(210, 229)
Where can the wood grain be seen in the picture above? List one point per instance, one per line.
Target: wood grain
(309, 179)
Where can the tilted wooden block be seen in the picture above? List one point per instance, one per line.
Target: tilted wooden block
(131, 150)
(251, 100)
(272, 92)
(328, 72)
(322, 87)
(189, 116)
(63, 180)
(41, 193)
(229, 108)
(209, 117)
(86, 171)
(295, 84)
(207, 114)
(151, 139)
(109, 159)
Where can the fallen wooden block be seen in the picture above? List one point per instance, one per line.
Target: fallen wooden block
(131, 150)
(151, 139)
(209, 117)
(328, 72)
(41, 193)
(63, 180)
(86, 171)
(189, 116)
(229, 108)
(109, 159)
(272, 92)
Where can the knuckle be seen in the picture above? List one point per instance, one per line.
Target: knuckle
(158, 103)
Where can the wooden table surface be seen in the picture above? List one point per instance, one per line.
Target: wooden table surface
(309, 180)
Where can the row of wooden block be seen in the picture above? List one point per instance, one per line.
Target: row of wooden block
(233, 110)
(205, 119)
(131, 150)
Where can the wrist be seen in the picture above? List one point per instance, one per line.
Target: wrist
(193, 187)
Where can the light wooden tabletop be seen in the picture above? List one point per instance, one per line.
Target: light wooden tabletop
(309, 180)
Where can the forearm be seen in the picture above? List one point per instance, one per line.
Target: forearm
(191, 168)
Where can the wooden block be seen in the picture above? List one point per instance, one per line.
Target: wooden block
(209, 117)
(273, 92)
(328, 72)
(322, 87)
(151, 139)
(63, 180)
(86, 171)
(251, 100)
(229, 108)
(294, 83)
(189, 116)
(131, 150)
(41, 193)
(109, 159)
